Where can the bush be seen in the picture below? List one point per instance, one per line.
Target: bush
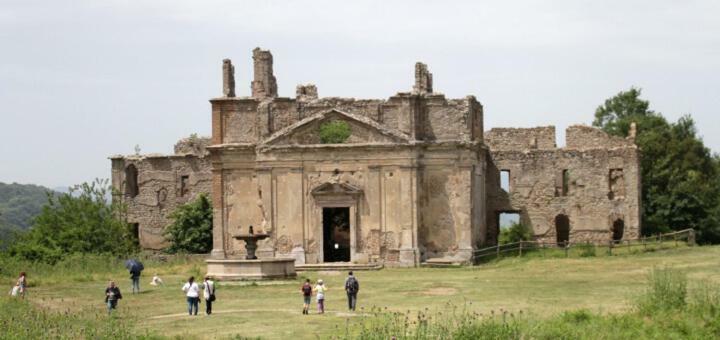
(515, 233)
(334, 132)
(191, 229)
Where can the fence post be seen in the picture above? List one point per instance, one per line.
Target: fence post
(675, 238)
(521, 243)
(567, 247)
(643, 243)
(497, 251)
(691, 237)
(610, 246)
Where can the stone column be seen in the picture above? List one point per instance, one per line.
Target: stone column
(228, 78)
(218, 213)
(409, 252)
(264, 84)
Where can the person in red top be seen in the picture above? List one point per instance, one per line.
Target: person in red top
(306, 290)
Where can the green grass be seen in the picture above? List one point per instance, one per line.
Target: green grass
(539, 288)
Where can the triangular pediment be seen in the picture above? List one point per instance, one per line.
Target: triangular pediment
(363, 130)
(336, 189)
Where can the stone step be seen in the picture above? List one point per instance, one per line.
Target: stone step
(336, 266)
(440, 263)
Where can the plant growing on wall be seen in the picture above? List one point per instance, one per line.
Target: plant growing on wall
(334, 132)
(191, 227)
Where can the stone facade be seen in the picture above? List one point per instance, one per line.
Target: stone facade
(152, 186)
(417, 178)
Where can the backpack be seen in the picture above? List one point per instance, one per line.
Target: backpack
(352, 285)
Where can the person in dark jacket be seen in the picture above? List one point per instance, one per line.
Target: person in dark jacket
(135, 277)
(351, 288)
(112, 295)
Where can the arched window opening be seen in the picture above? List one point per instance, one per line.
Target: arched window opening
(131, 181)
(562, 229)
(618, 229)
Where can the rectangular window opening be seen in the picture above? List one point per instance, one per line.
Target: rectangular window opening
(184, 185)
(565, 182)
(508, 219)
(505, 180)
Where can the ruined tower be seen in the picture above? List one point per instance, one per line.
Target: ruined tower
(264, 84)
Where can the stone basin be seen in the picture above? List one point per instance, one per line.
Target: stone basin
(261, 269)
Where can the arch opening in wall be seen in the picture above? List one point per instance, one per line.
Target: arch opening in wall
(562, 229)
(131, 181)
(618, 229)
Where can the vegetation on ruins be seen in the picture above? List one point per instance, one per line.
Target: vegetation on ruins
(191, 227)
(334, 132)
(680, 176)
(80, 221)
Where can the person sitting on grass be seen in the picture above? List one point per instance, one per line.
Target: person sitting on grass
(112, 295)
(20, 286)
(156, 281)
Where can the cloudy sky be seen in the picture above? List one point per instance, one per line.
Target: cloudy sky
(82, 80)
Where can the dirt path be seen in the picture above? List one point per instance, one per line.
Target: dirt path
(229, 311)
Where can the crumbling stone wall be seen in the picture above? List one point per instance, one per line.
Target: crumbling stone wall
(162, 184)
(594, 180)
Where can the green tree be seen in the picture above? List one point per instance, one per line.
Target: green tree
(680, 188)
(334, 132)
(80, 221)
(515, 233)
(191, 227)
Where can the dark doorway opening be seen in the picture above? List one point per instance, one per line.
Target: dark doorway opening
(618, 229)
(336, 234)
(562, 229)
(135, 233)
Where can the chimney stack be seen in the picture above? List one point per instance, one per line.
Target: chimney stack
(228, 78)
(423, 79)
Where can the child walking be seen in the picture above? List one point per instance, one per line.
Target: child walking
(320, 289)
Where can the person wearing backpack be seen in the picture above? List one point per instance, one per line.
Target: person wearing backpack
(306, 290)
(351, 287)
(209, 294)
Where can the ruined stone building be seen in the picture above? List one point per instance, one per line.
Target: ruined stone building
(416, 179)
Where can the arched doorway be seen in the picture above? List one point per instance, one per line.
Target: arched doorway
(618, 229)
(562, 229)
(131, 181)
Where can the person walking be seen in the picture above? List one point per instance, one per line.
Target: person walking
(135, 277)
(112, 295)
(352, 286)
(306, 290)
(208, 294)
(192, 293)
(320, 289)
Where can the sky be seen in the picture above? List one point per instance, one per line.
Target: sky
(83, 80)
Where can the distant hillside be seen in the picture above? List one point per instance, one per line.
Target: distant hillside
(19, 204)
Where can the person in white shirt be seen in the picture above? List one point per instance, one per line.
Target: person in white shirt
(320, 289)
(209, 294)
(192, 292)
(156, 281)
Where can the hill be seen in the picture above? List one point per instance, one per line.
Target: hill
(19, 204)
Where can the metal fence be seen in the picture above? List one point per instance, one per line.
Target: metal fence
(649, 243)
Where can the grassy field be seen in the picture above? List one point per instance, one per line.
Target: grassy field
(538, 287)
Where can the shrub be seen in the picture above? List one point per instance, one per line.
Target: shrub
(334, 132)
(191, 227)
(515, 233)
(667, 290)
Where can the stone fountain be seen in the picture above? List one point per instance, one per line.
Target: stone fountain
(251, 268)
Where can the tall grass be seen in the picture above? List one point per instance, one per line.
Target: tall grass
(665, 310)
